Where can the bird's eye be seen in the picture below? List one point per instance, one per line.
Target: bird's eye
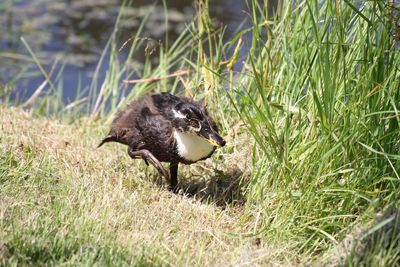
(188, 117)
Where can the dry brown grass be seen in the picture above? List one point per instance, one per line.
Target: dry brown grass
(126, 199)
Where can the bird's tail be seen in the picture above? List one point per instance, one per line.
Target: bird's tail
(109, 138)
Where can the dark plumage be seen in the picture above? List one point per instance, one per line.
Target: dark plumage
(166, 128)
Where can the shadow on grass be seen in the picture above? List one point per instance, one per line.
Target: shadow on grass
(379, 244)
(376, 244)
(222, 188)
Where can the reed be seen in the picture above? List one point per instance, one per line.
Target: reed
(321, 102)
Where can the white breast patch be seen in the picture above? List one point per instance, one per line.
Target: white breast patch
(192, 147)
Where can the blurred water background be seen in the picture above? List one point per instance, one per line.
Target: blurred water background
(73, 34)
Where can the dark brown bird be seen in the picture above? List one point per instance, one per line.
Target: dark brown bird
(166, 128)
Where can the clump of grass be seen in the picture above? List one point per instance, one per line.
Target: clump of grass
(321, 101)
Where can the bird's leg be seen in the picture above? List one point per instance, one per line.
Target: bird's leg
(148, 157)
(173, 182)
(138, 156)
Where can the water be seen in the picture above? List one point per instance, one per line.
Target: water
(73, 33)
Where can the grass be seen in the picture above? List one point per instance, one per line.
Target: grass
(321, 107)
(66, 202)
(312, 126)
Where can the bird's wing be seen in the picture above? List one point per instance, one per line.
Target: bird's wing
(154, 128)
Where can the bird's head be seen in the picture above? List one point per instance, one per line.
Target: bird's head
(189, 118)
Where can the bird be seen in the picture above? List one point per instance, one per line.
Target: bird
(162, 127)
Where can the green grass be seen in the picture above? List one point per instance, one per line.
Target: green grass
(312, 125)
(322, 107)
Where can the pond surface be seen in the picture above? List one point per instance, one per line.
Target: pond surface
(75, 32)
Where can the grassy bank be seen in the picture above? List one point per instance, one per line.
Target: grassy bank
(65, 202)
(312, 126)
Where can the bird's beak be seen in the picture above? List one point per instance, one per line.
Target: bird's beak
(215, 143)
(212, 137)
